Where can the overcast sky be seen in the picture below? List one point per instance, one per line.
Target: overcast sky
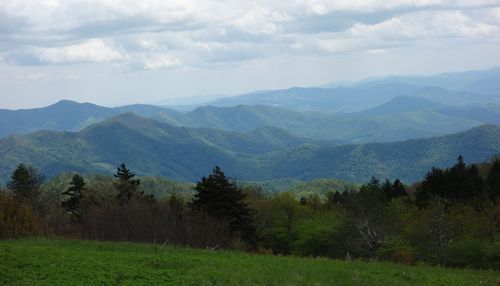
(115, 52)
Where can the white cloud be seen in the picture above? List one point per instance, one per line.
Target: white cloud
(158, 61)
(158, 34)
(94, 50)
(425, 25)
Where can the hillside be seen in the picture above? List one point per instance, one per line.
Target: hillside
(157, 149)
(396, 120)
(389, 117)
(484, 82)
(336, 99)
(63, 262)
(65, 115)
(474, 87)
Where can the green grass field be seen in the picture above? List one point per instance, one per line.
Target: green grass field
(72, 262)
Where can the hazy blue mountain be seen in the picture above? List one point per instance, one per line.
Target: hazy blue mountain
(399, 119)
(472, 87)
(158, 149)
(65, 115)
(337, 99)
(400, 104)
(484, 82)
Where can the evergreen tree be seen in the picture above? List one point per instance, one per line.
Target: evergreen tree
(25, 182)
(373, 185)
(387, 189)
(493, 180)
(220, 198)
(74, 194)
(398, 189)
(126, 185)
(459, 182)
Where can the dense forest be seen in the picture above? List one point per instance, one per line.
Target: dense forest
(451, 218)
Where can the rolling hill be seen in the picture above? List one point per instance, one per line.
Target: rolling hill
(65, 115)
(401, 118)
(462, 88)
(158, 149)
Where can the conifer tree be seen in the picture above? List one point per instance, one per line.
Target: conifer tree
(25, 182)
(398, 188)
(493, 180)
(74, 194)
(220, 198)
(126, 185)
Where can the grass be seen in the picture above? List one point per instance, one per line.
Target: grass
(74, 262)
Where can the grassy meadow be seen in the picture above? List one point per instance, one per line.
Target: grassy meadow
(75, 262)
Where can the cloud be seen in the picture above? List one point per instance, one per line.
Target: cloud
(157, 34)
(94, 50)
(420, 25)
(156, 61)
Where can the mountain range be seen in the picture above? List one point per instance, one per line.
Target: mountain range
(401, 118)
(153, 148)
(397, 126)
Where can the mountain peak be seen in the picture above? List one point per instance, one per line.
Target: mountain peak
(402, 103)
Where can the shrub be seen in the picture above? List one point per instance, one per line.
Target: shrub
(17, 217)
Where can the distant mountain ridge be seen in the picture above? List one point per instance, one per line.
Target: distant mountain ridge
(401, 118)
(376, 110)
(158, 149)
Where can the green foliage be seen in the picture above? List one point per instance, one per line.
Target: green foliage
(190, 152)
(40, 262)
(317, 234)
(280, 231)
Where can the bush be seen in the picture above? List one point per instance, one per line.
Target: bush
(466, 252)
(396, 250)
(17, 217)
(492, 255)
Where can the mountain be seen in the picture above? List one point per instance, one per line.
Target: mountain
(147, 143)
(463, 88)
(484, 82)
(401, 118)
(152, 148)
(338, 99)
(400, 104)
(375, 110)
(65, 115)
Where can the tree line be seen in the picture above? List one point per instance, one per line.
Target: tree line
(450, 218)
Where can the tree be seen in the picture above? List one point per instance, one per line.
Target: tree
(393, 190)
(126, 185)
(25, 182)
(398, 189)
(221, 199)
(458, 183)
(74, 194)
(493, 180)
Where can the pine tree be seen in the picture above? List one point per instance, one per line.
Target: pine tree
(25, 182)
(398, 189)
(387, 189)
(74, 194)
(220, 198)
(493, 180)
(126, 185)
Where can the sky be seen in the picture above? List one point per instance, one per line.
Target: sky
(116, 52)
